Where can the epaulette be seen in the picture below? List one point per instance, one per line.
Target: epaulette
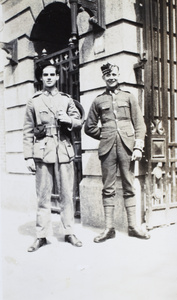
(65, 94)
(38, 93)
(123, 91)
(99, 95)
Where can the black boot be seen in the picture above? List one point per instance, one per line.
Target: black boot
(73, 240)
(139, 233)
(109, 232)
(133, 230)
(37, 244)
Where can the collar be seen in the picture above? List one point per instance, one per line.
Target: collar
(53, 92)
(116, 91)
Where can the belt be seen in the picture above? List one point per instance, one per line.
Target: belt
(52, 130)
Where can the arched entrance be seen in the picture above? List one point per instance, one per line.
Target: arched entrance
(52, 32)
(52, 28)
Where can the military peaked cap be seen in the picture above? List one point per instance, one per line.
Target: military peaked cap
(107, 68)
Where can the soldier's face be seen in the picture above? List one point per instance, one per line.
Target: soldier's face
(49, 77)
(111, 79)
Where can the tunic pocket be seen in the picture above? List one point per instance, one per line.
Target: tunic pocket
(70, 151)
(124, 110)
(104, 108)
(105, 112)
(65, 152)
(130, 133)
(44, 116)
(38, 150)
(104, 135)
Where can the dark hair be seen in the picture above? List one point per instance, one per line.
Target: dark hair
(41, 66)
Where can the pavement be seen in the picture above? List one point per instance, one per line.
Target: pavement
(123, 268)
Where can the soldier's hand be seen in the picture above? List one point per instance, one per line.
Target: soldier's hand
(63, 117)
(137, 155)
(31, 165)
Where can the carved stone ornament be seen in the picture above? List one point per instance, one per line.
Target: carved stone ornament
(95, 8)
(11, 50)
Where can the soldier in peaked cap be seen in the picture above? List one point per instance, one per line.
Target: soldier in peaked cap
(121, 143)
(49, 119)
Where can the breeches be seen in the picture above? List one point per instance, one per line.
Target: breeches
(119, 155)
(63, 174)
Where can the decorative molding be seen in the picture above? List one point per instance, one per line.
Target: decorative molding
(158, 148)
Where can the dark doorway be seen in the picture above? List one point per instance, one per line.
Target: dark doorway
(52, 28)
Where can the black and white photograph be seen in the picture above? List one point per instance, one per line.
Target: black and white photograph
(88, 149)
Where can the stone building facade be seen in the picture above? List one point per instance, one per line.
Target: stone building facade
(117, 36)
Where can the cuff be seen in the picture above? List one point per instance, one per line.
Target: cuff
(139, 144)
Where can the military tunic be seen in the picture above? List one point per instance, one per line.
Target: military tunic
(122, 130)
(53, 155)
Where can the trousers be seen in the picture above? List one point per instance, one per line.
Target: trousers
(118, 156)
(63, 174)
